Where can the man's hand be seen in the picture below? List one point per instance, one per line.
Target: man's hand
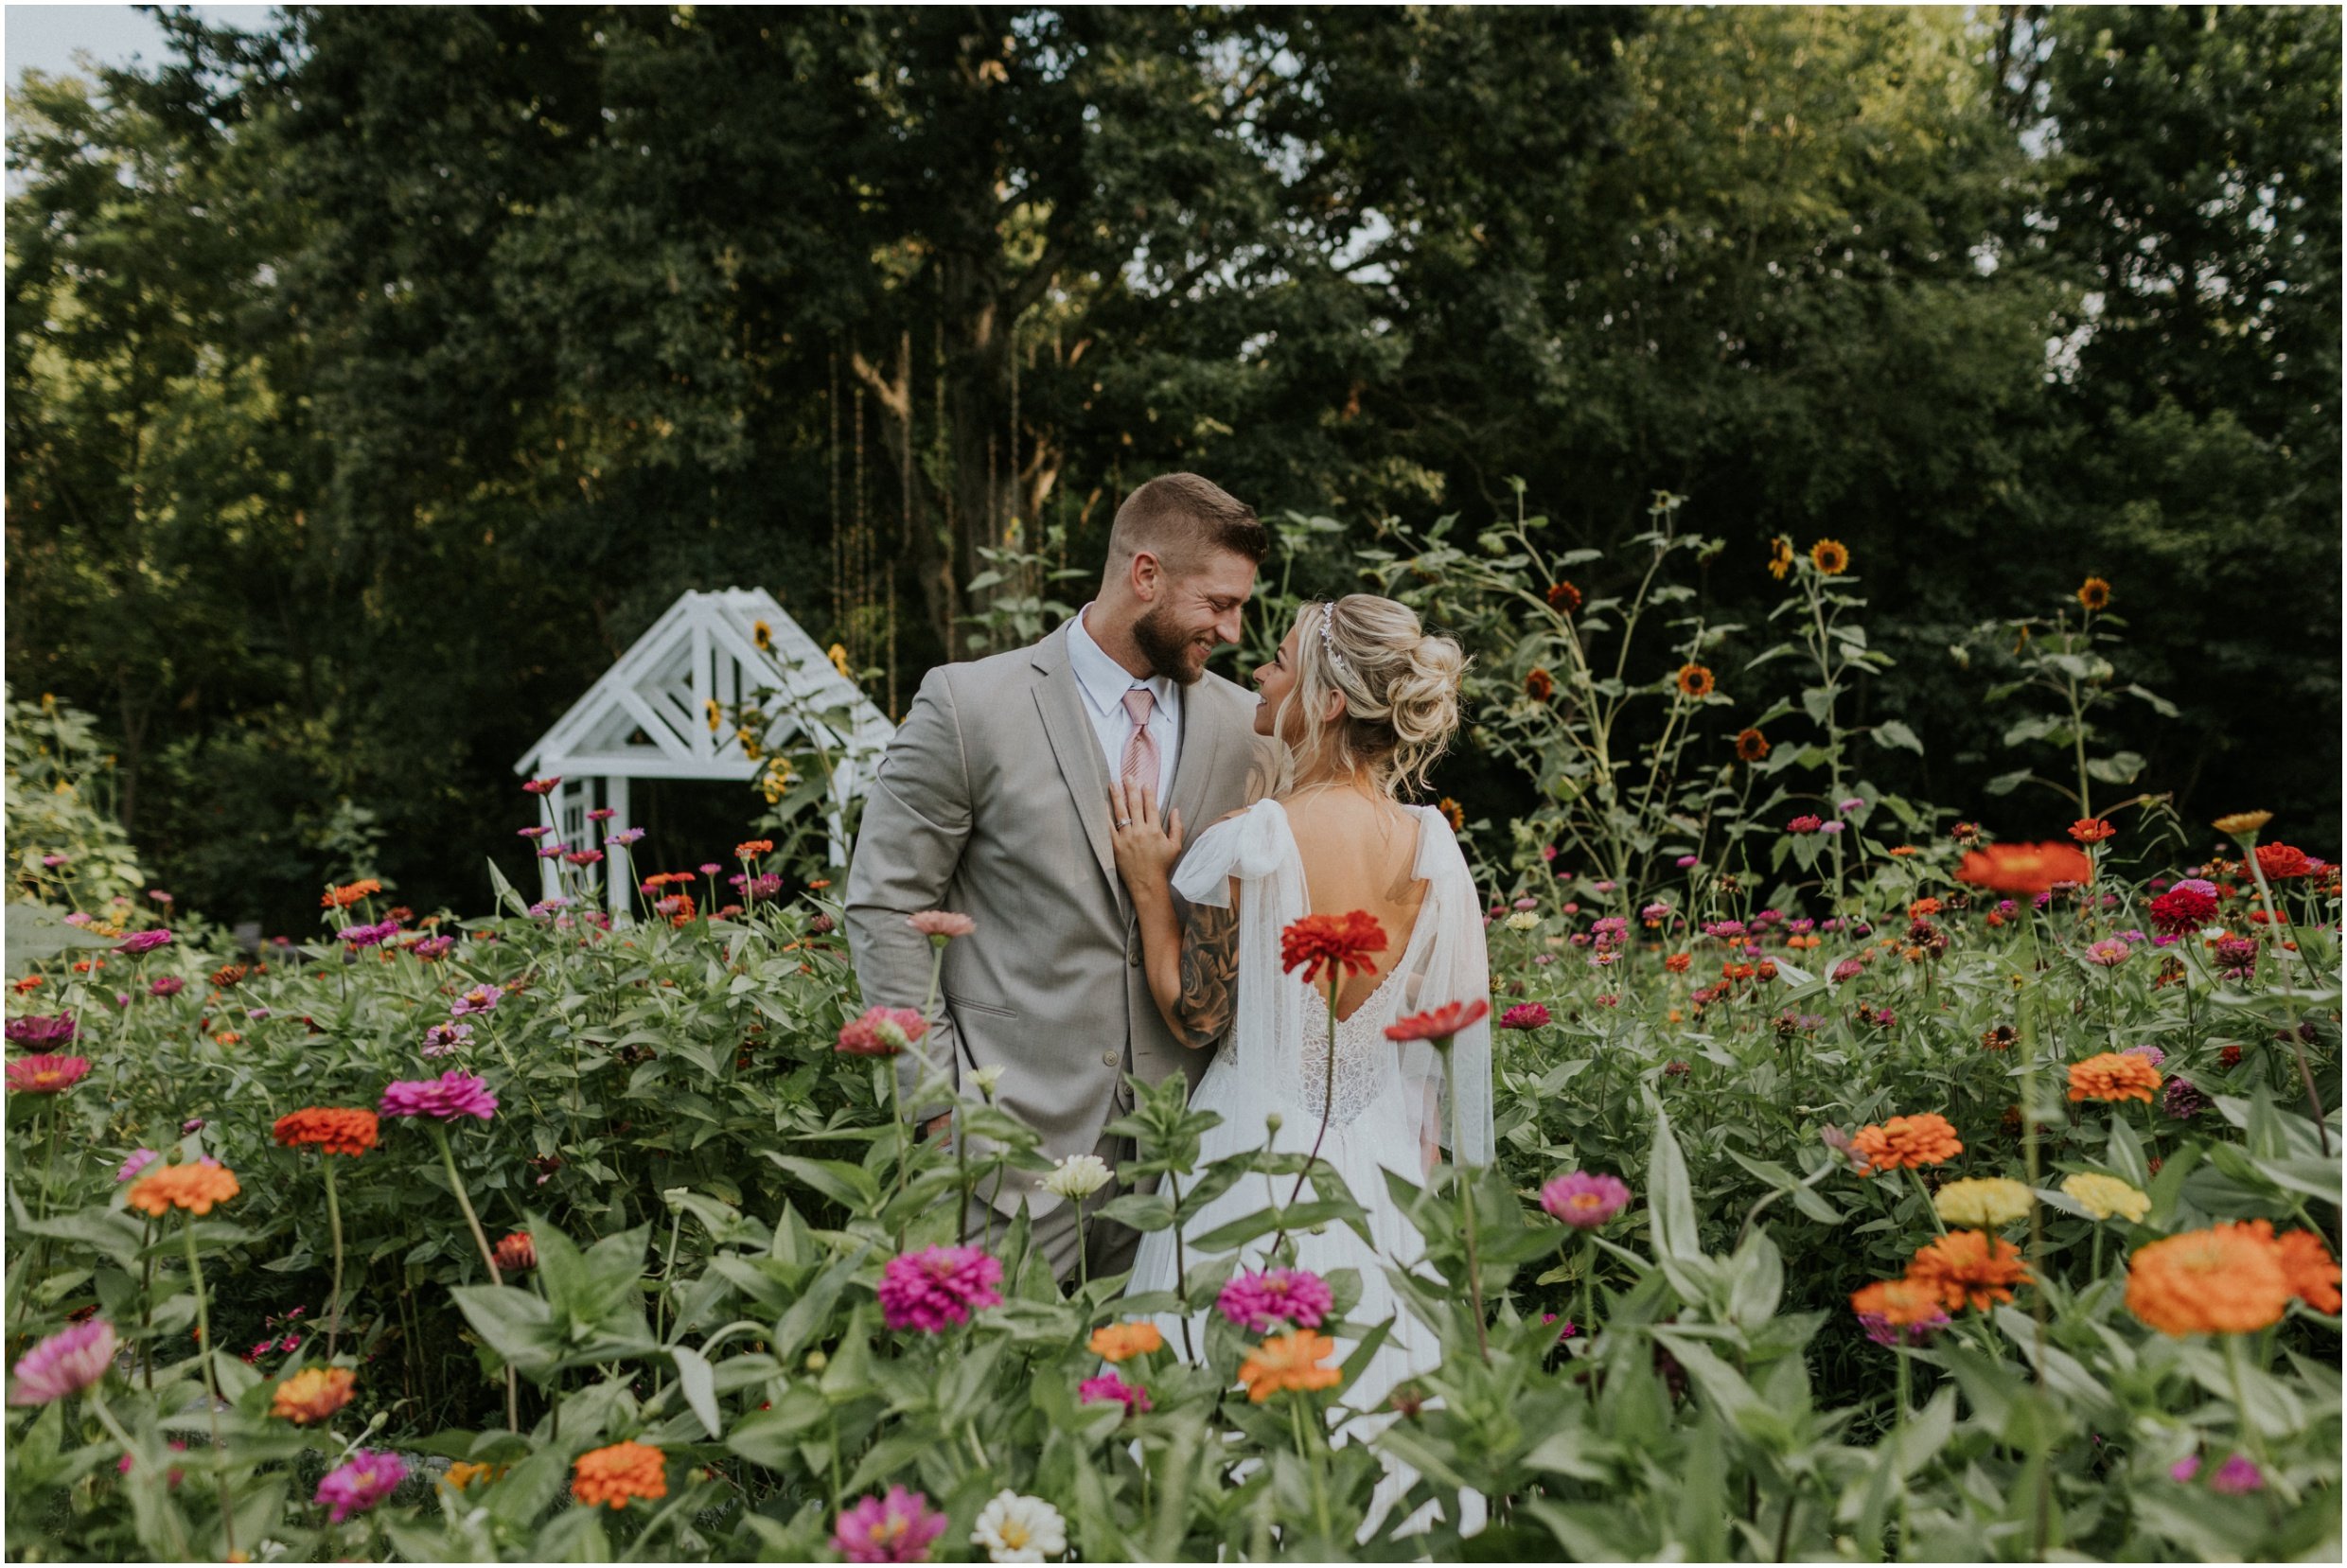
(933, 1128)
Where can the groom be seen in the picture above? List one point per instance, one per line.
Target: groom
(993, 802)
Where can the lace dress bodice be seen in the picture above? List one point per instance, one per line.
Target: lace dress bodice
(1365, 1058)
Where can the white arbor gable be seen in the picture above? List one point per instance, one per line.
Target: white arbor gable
(651, 716)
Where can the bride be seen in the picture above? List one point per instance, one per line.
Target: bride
(1363, 703)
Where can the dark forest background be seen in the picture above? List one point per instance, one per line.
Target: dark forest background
(372, 382)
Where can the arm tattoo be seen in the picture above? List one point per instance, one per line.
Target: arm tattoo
(1210, 975)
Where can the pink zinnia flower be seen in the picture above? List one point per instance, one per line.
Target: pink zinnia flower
(1524, 1016)
(601, 814)
(2109, 953)
(624, 836)
(1111, 1387)
(370, 1477)
(66, 1363)
(1584, 1201)
(46, 1074)
(896, 1529)
(541, 787)
(481, 998)
(43, 1031)
(941, 924)
(140, 1159)
(2237, 1475)
(445, 1039)
(1257, 1301)
(539, 832)
(2236, 958)
(143, 942)
(1805, 824)
(882, 1032)
(710, 868)
(938, 1287)
(166, 985)
(452, 1095)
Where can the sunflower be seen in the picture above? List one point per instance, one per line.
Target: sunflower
(1540, 685)
(762, 635)
(2094, 593)
(1563, 598)
(1694, 680)
(1454, 814)
(1831, 558)
(713, 713)
(1751, 745)
(1781, 558)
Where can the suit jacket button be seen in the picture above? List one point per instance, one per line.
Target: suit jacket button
(1108, 1059)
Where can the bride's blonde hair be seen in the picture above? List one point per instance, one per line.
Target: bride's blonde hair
(1401, 691)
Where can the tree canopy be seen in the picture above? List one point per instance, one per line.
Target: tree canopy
(375, 379)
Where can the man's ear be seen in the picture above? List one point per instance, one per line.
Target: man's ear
(1145, 576)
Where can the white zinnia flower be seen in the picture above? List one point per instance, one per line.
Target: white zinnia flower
(987, 1077)
(1077, 1176)
(1523, 921)
(1021, 1529)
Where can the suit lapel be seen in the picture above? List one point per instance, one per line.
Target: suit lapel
(1194, 765)
(1076, 747)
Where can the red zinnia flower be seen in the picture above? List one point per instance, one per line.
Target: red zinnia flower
(2281, 860)
(1349, 941)
(2091, 829)
(1439, 1023)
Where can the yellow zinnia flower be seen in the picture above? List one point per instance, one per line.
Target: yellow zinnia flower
(1983, 1202)
(2243, 821)
(2104, 1196)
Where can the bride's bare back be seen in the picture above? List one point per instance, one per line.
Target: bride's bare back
(1359, 854)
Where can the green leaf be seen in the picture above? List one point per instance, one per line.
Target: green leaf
(1891, 733)
(1670, 1201)
(515, 1324)
(699, 1386)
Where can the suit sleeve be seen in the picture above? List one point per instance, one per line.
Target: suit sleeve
(916, 820)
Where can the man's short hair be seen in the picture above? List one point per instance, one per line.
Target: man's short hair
(1181, 520)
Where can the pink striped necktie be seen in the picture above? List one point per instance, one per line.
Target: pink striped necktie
(1140, 752)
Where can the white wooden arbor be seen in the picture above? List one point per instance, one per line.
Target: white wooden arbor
(648, 717)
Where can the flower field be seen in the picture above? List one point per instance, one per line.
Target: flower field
(1867, 1188)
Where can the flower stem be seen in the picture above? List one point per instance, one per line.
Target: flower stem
(114, 1429)
(334, 1300)
(488, 1257)
(211, 1381)
(1466, 1209)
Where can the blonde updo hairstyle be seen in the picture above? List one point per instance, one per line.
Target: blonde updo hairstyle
(1401, 691)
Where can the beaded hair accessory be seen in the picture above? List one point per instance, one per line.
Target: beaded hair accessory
(1328, 613)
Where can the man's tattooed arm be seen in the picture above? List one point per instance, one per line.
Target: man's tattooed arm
(1210, 976)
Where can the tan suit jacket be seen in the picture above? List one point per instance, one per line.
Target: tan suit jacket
(993, 800)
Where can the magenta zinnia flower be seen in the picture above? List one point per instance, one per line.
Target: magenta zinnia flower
(882, 1032)
(43, 1031)
(2236, 958)
(1584, 1201)
(66, 1363)
(1524, 1016)
(143, 942)
(140, 1159)
(896, 1529)
(166, 985)
(46, 1074)
(1257, 1301)
(2237, 1475)
(1805, 824)
(452, 1095)
(370, 1477)
(938, 1287)
(1111, 1387)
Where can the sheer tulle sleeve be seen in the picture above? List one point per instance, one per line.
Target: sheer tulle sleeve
(1248, 846)
(1456, 967)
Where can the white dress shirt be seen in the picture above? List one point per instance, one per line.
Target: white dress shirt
(1105, 682)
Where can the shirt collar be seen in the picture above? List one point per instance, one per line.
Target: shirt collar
(1104, 680)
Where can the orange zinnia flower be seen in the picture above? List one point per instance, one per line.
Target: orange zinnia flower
(754, 846)
(1695, 680)
(616, 1473)
(1905, 1142)
(195, 1187)
(1563, 598)
(1123, 1341)
(2306, 1265)
(1291, 1361)
(2227, 1279)
(2091, 829)
(312, 1394)
(1347, 940)
(1829, 557)
(2024, 867)
(1678, 963)
(1969, 1268)
(1751, 745)
(2112, 1075)
(464, 1473)
(344, 897)
(2094, 593)
(336, 1131)
(1901, 1303)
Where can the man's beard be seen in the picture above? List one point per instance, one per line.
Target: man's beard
(1167, 647)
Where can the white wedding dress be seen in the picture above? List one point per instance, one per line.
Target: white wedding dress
(1390, 1100)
